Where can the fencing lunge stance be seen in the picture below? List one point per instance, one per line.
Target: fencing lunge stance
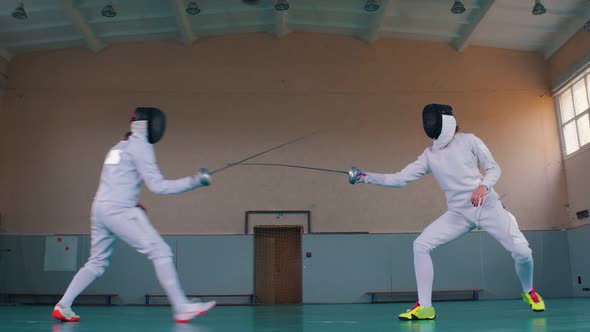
(115, 213)
(454, 160)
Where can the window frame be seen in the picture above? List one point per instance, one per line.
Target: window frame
(584, 75)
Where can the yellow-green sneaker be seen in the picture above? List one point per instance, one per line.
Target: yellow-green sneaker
(418, 312)
(534, 300)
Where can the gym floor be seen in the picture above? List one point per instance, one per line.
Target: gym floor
(507, 315)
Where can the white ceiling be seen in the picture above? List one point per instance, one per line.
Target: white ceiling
(54, 24)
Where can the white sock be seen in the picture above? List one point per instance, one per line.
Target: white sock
(424, 277)
(168, 278)
(524, 271)
(82, 279)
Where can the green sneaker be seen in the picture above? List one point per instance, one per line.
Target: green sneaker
(534, 300)
(418, 312)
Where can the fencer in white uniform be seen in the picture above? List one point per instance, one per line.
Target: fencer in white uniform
(454, 159)
(115, 213)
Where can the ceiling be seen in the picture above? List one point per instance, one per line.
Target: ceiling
(56, 24)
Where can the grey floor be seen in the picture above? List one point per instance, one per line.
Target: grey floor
(509, 315)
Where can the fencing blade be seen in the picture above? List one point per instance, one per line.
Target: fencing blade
(352, 173)
(295, 166)
(239, 162)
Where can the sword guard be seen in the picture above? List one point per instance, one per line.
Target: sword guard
(354, 175)
(204, 177)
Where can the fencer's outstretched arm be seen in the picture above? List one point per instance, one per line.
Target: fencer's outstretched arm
(492, 169)
(145, 159)
(410, 173)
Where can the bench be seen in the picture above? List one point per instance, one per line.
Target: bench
(249, 296)
(474, 294)
(55, 297)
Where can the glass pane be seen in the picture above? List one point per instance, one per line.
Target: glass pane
(584, 129)
(571, 138)
(580, 97)
(566, 106)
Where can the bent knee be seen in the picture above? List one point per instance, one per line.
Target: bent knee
(98, 267)
(522, 253)
(159, 249)
(421, 246)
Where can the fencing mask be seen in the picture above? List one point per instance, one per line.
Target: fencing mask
(149, 122)
(439, 123)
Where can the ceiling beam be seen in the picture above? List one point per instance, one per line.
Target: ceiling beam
(5, 54)
(350, 31)
(34, 27)
(419, 34)
(281, 27)
(44, 41)
(572, 26)
(262, 27)
(140, 32)
(377, 21)
(327, 25)
(37, 8)
(133, 17)
(92, 41)
(463, 41)
(184, 25)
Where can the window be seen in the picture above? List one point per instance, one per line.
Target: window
(573, 104)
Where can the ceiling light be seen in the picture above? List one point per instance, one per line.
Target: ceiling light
(19, 12)
(371, 5)
(539, 9)
(192, 8)
(108, 11)
(457, 8)
(282, 5)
